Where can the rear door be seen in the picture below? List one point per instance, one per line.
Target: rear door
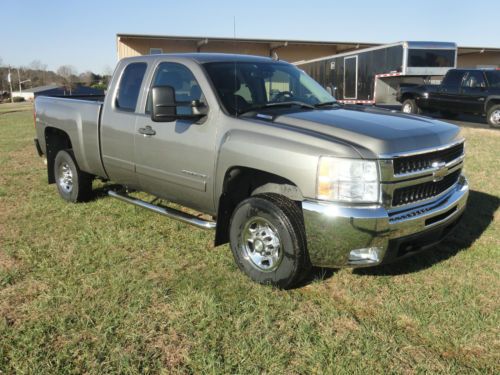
(177, 161)
(474, 92)
(351, 77)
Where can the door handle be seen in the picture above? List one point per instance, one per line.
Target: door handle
(148, 130)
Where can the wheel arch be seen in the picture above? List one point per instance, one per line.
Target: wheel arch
(241, 182)
(55, 140)
(491, 101)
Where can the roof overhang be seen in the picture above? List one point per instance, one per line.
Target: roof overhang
(274, 42)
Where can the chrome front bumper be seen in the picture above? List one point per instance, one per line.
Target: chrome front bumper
(334, 230)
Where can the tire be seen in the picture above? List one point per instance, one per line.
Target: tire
(72, 184)
(268, 240)
(410, 106)
(493, 116)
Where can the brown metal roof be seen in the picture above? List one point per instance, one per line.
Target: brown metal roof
(243, 40)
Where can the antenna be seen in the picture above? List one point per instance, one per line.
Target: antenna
(234, 51)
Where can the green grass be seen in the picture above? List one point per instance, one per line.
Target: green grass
(105, 287)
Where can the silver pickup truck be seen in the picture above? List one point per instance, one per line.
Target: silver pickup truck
(265, 156)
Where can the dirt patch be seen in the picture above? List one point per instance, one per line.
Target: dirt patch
(14, 300)
(345, 325)
(7, 262)
(173, 349)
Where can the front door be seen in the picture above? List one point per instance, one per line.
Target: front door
(176, 161)
(447, 96)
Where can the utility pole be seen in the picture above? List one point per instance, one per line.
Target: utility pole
(9, 78)
(19, 79)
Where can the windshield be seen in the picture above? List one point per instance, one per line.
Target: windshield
(493, 77)
(243, 86)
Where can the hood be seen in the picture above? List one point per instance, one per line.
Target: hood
(373, 131)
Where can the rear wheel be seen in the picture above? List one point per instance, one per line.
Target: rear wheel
(268, 240)
(410, 106)
(73, 184)
(493, 116)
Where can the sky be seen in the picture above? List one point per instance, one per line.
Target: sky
(83, 33)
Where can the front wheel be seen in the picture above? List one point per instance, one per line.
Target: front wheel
(493, 116)
(410, 106)
(73, 184)
(268, 240)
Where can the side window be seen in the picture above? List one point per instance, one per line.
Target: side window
(130, 85)
(182, 80)
(453, 78)
(474, 79)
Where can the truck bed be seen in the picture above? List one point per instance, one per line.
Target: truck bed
(80, 119)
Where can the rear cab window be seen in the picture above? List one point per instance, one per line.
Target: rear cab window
(130, 86)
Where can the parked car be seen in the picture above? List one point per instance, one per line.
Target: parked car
(287, 176)
(475, 91)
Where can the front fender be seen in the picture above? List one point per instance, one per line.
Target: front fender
(286, 158)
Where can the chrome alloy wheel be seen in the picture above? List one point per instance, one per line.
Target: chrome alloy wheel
(260, 244)
(407, 108)
(495, 117)
(65, 177)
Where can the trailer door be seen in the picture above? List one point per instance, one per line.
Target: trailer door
(351, 77)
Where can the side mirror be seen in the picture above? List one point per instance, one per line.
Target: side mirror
(198, 109)
(164, 104)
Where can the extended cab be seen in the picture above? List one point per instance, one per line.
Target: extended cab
(475, 91)
(267, 157)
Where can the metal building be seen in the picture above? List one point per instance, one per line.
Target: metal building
(289, 50)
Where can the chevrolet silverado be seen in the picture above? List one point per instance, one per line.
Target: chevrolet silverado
(265, 157)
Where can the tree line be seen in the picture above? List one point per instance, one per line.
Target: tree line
(36, 74)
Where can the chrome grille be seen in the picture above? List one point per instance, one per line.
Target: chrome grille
(425, 190)
(421, 162)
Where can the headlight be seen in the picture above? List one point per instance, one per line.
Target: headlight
(347, 180)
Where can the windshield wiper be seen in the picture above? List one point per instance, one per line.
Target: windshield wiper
(324, 104)
(279, 104)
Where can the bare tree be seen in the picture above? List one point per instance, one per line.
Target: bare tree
(106, 74)
(87, 78)
(37, 65)
(68, 76)
(37, 72)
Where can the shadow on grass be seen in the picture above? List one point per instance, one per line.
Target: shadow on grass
(478, 215)
(317, 274)
(102, 191)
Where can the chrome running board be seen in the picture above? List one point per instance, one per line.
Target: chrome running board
(165, 211)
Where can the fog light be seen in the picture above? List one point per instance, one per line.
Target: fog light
(367, 255)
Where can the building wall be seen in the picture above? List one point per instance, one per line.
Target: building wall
(28, 96)
(474, 60)
(127, 47)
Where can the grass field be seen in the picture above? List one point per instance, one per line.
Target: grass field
(105, 287)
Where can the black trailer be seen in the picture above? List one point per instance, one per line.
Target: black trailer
(374, 75)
